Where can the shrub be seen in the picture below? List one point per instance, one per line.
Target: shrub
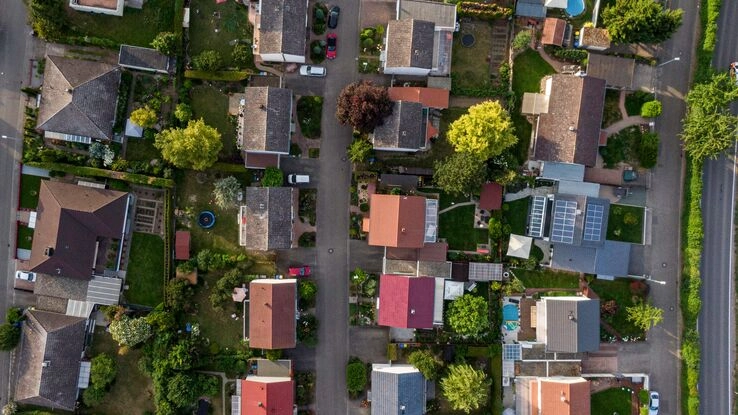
(648, 150)
(208, 60)
(306, 240)
(308, 292)
(9, 336)
(273, 177)
(356, 375)
(651, 109)
(522, 40)
(482, 11)
(228, 76)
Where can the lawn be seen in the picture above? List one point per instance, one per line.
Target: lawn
(444, 199)
(611, 401)
(469, 68)
(528, 70)
(440, 148)
(145, 274)
(611, 113)
(135, 27)
(25, 237)
(516, 214)
(309, 113)
(212, 105)
(546, 278)
(456, 227)
(131, 388)
(141, 149)
(620, 291)
(218, 326)
(219, 27)
(30, 186)
(625, 223)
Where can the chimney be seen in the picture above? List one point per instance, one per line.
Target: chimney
(70, 90)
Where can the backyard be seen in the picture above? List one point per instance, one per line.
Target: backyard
(612, 401)
(211, 105)
(141, 149)
(625, 223)
(528, 70)
(469, 69)
(219, 27)
(145, 274)
(546, 278)
(456, 227)
(444, 199)
(29, 186)
(516, 214)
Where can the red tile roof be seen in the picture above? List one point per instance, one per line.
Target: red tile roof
(262, 395)
(182, 245)
(396, 221)
(272, 314)
(553, 31)
(429, 97)
(490, 197)
(406, 302)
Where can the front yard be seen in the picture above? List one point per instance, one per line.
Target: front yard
(309, 113)
(145, 274)
(612, 401)
(625, 293)
(625, 223)
(456, 226)
(211, 105)
(25, 237)
(219, 27)
(29, 188)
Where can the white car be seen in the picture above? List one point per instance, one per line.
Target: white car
(25, 276)
(653, 403)
(298, 179)
(309, 70)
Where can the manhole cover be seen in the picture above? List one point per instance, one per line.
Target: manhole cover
(467, 40)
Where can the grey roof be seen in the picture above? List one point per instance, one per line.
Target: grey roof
(104, 291)
(269, 214)
(579, 188)
(572, 324)
(49, 360)
(404, 128)
(485, 271)
(410, 44)
(61, 287)
(530, 8)
(392, 389)
(612, 259)
(616, 71)
(137, 57)
(79, 97)
(609, 260)
(440, 13)
(267, 115)
(282, 27)
(434, 269)
(574, 258)
(562, 171)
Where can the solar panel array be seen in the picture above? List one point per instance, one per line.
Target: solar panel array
(564, 216)
(511, 352)
(593, 222)
(537, 219)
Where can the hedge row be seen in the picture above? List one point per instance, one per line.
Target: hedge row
(109, 174)
(168, 220)
(482, 11)
(230, 76)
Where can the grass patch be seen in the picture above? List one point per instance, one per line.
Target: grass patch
(610, 401)
(469, 69)
(29, 188)
(516, 214)
(218, 326)
(440, 149)
(135, 27)
(528, 70)
(145, 275)
(212, 105)
(309, 113)
(308, 202)
(635, 100)
(230, 19)
(611, 113)
(495, 373)
(546, 278)
(140, 149)
(25, 237)
(618, 290)
(625, 223)
(456, 226)
(131, 388)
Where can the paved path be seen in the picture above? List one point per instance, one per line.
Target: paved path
(625, 123)
(454, 206)
(224, 379)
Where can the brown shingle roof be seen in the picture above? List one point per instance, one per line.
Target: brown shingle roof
(272, 314)
(268, 217)
(282, 27)
(410, 44)
(403, 129)
(553, 31)
(570, 131)
(396, 221)
(70, 220)
(267, 113)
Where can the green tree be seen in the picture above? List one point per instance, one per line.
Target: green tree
(9, 336)
(167, 43)
(644, 315)
(485, 131)
(522, 40)
(356, 376)
(144, 117)
(13, 315)
(359, 150)
(469, 315)
(426, 362)
(208, 60)
(496, 229)
(363, 106)
(103, 370)
(307, 330)
(640, 21)
(226, 191)
(179, 294)
(242, 55)
(273, 177)
(308, 292)
(48, 18)
(709, 127)
(460, 173)
(651, 109)
(193, 147)
(648, 150)
(93, 396)
(184, 388)
(465, 388)
(182, 112)
(130, 331)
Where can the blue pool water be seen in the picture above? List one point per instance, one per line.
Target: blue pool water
(575, 7)
(510, 312)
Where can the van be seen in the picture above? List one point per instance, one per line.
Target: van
(298, 179)
(309, 70)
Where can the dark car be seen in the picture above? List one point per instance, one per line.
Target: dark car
(331, 51)
(333, 16)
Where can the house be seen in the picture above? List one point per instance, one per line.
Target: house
(552, 395)
(397, 390)
(568, 324)
(553, 31)
(401, 221)
(530, 8)
(409, 47)
(182, 245)
(264, 395)
(111, 7)
(264, 126)
(443, 16)
(617, 72)
(569, 118)
(429, 97)
(78, 100)
(594, 38)
(272, 313)
(490, 197)
(407, 129)
(77, 229)
(49, 360)
(280, 31)
(428, 261)
(267, 218)
(405, 301)
(145, 59)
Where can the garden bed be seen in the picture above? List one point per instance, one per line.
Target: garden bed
(145, 274)
(625, 223)
(309, 113)
(625, 292)
(611, 113)
(308, 200)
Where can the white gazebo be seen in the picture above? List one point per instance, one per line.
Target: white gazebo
(519, 246)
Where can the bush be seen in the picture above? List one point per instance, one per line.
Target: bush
(522, 40)
(356, 376)
(308, 293)
(648, 150)
(651, 109)
(208, 61)
(482, 11)
(273, 177)
(575, 56)
(9, 336)
(307, 240)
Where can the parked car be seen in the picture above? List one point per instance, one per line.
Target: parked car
(653, 403)
(298, 179)
(25, 276)
(333, 14)
(301, 271)
(331, 51)
(309, 70)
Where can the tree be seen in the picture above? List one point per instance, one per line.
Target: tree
(48, 18)
(460, 173)
(465, 388)
(651, 109)
(307, 330)
(144, 117)
(167, 43)
(184, 388)
(193, 147)
(522, 40)
(485, 131)
(242, 55)
(469, 315)
(644, 315)
(496, 229)
(308, 292)
(208, 60)
(426, 362)
(273, 177)
(93, 396)
(226, 192)
(130, 331)
(9, 336)
(178, 294)
(709, 127)
(648, 150)
(355, 376)
(359, 150)
(182, 112)
(363, 106)
(103, 370)
(640, 21)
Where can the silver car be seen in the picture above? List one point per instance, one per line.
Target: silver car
(310, 70)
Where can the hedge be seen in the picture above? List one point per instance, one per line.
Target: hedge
(230, 76)
(482, 11)
(109, 174)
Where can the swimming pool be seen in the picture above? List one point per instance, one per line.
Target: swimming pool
(575, 7)
(510, 313)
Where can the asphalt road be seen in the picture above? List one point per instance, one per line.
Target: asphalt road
(717, 319)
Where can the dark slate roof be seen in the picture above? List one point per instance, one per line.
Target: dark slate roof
(267, 113)
(143, 58)
(79, 97)
(269, 212)
(395, 386)
(282, 27)
(572, 324)
(58, 340)
(530, 8)
(404, 128)
(410, 44)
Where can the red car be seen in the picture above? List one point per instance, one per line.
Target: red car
(331, 51)
(303, 271)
